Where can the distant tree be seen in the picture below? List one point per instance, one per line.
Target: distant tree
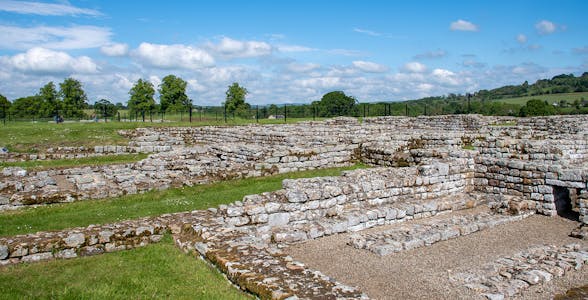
(141, 97)
(51, 102)
(336, 104)
(536, 107)
(172, 91)
(4, 106)
(29, 107)
(235, 100)
(105, 108)
(74, 98)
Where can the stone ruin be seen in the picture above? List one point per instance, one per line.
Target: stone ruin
(422, 167)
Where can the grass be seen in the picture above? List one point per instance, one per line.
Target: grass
(152, 203)
(152, 272)
(30, 137)
(37, 165)
(550, 98)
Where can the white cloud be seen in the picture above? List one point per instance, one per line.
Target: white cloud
(231, 48)
(521, 38)
(431, 54)
(545, 27)
(414, 67)
(369, 67)
(345, 52)
(45, 9)
(75, 37)
(45, 61)
(461, 25)
(302, 68)
(173, 56)
(445, 77)
(294, 48)
(368, 32)
(116, 49)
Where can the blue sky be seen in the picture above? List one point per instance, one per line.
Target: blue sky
(290, 51)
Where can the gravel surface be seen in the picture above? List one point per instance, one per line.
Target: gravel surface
(423, 273)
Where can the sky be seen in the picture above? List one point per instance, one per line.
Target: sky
(290, 51)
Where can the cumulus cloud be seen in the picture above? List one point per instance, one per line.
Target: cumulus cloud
(45, 61)
(545, 27)
(45, 9)
(445, 77)
(74, 37)
(231, 48)
(431, 54)
(173, 56)
(369, 67)
(461, 25)
(414, 67)
(521, 38)
(116, 49)
(302, 68)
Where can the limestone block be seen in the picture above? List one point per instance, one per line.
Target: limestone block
(278, 219)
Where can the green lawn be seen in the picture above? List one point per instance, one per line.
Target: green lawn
(37, 137)
(38, 165)
(152, 203)
(551, 98)
(158, 271)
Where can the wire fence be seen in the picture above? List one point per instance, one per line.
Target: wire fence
(257, 113)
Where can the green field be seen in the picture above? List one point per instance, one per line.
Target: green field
(551, 98)
(36, 137)
(158, 271)
(37, 165)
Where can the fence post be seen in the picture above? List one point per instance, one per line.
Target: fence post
(225, 106)
(285, 113)
(190, 112)
(406, 109)
(257, 113)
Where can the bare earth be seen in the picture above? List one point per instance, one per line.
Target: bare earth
(423, 273)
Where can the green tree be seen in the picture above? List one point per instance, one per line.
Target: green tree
(141, 97)
(172, 91)
(4, 106)
(29, 107)
(536, 107)
(105, 108)
(51, 102)
(336, 104)
(74, 98)
(235, 100)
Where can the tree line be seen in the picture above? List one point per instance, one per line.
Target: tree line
(70, 101)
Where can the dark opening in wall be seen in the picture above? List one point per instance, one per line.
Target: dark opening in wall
(563, 203)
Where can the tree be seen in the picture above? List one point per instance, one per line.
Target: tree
(50, 98)
(536, 107)
(4, 106)
(172, 91)
(141, 97)
(336, 104)
(235, 101)
(74, 98)
(26, 107)
(105, 108)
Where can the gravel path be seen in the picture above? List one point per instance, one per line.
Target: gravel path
(423, 273)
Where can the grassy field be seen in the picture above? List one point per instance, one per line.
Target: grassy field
(32, 137)
(152, 203)
(37, 165)
(551, 98)
(158, 271)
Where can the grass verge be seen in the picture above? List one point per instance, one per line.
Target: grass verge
(158, 271)
(152, 203)
(38, 165)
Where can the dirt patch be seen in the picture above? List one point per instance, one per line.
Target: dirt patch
(423, 273)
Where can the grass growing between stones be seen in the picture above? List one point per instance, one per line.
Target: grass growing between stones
(152, 203)
(37, 165)
(157, 271)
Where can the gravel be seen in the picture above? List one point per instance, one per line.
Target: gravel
(423, 273)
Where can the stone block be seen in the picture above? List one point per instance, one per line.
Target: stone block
(75, 240)
(278, 219)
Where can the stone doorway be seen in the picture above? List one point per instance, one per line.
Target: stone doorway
(563, 203)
